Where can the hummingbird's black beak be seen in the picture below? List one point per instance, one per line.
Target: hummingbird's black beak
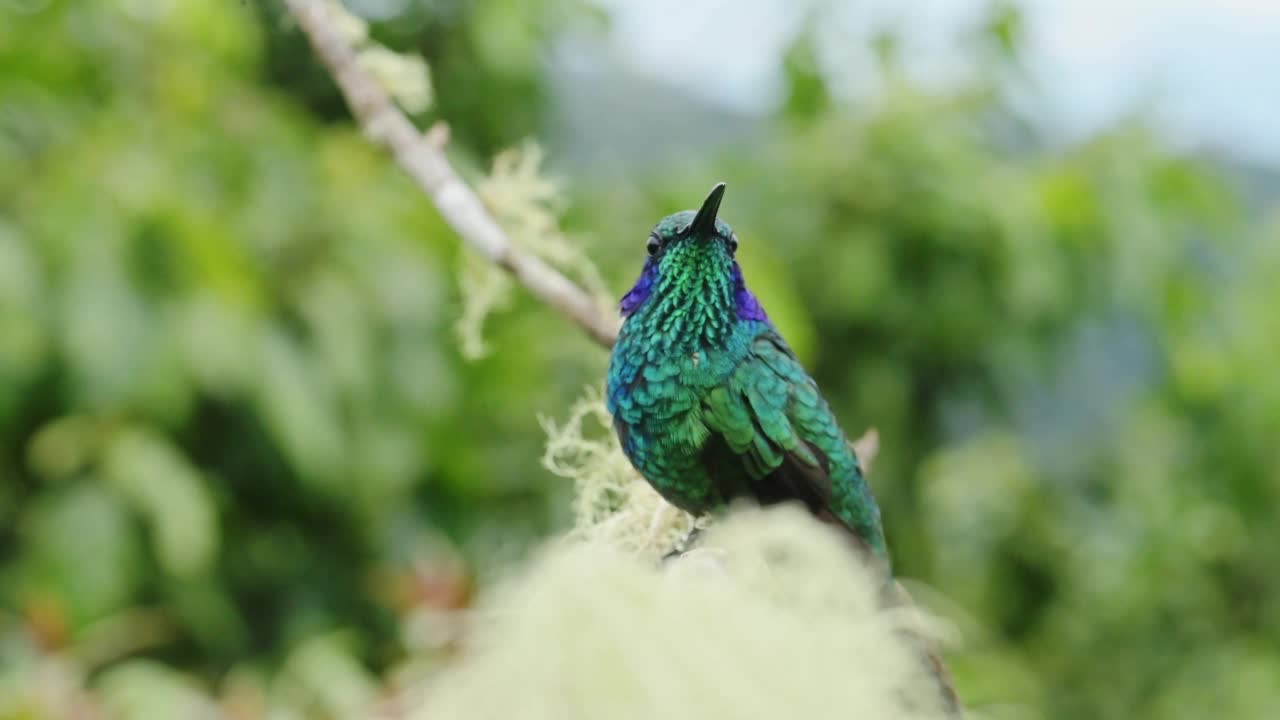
(704, 223)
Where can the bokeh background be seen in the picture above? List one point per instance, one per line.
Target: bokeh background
(246, 463)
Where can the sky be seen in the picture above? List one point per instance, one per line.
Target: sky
(1206, 71)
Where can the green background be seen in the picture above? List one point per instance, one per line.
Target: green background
(242, 456)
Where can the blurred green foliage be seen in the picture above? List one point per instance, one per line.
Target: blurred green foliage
(238, 443)
(228, 389)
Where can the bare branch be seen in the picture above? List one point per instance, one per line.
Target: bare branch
(424, 159)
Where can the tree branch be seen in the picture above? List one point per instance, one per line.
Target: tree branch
(423, 158)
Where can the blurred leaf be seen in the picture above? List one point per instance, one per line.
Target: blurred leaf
(65, 446)
(24, 341)
(330, 678)
(143, 690)
(82, 553)
(806, 87)
(170, 493)
(297, 402)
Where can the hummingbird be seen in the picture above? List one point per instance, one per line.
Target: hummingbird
(709, 402)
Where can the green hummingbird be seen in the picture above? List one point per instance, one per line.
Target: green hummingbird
(709, 401)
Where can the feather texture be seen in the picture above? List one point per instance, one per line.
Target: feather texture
(709, 401)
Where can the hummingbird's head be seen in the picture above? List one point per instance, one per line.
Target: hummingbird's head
(691, 269)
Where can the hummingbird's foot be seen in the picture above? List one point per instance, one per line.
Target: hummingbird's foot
(689, 542)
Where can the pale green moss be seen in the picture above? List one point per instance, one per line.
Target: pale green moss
(771, 618)
(612, 504)
(526, 204)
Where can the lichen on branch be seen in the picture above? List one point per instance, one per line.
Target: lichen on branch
(787, 623)
(612, 503)
(527, 205)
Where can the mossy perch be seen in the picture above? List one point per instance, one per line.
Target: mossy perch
(771, 617)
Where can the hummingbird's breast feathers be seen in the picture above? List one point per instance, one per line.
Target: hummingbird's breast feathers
(708, 400)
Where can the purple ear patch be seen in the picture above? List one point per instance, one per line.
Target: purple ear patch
(748, 306)
(638, 294)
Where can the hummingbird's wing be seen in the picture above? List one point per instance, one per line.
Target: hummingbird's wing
(771, 416)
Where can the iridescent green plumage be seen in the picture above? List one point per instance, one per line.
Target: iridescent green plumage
(709, 401)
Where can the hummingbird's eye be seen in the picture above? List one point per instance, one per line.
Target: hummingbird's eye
(733, 243)
(654, 245)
